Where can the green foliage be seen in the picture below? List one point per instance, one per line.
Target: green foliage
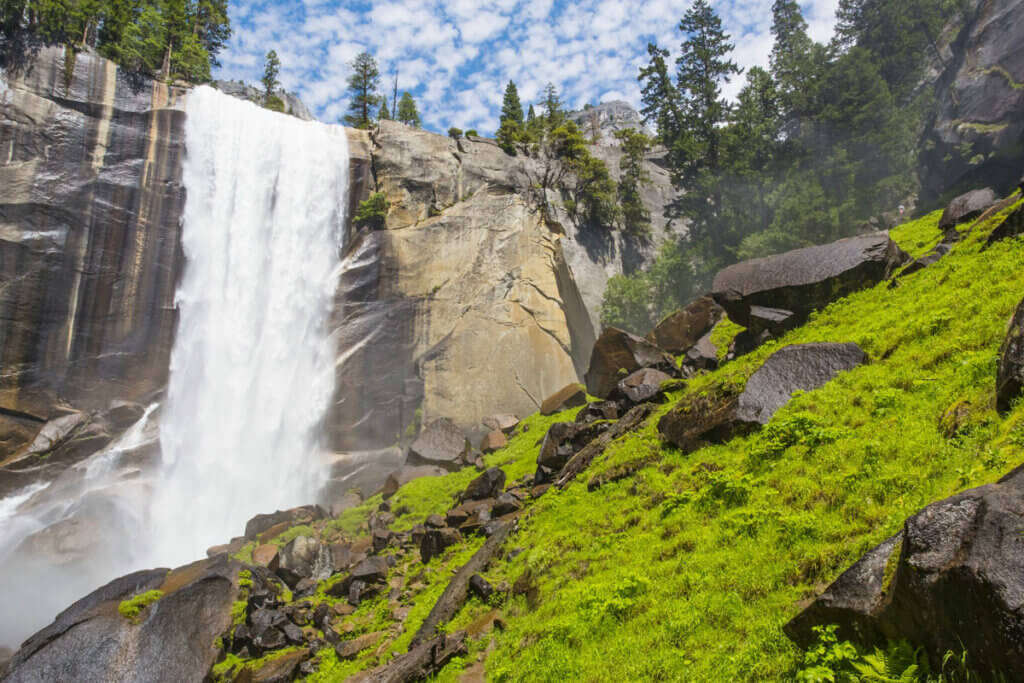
(728, 540)
(510, 126)
(407, 112)
(636, 219)
(590, 183)
(362, 86)
(132, 609)
(809, 153)
(454, 133)
(471, 133)
(626, 304)
(383, 114)
(271, 71)
(372, 212)
(289, 535)
(275, 103)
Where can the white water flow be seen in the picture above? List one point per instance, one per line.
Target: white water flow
(252, 368)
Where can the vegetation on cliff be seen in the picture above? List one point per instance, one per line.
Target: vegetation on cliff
(168, 39)
(819, 147)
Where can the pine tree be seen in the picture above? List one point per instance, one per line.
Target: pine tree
(363, 85)
(384, 114)
(554, 114)
(661, 105)
(510, 124)
(534, 127)
(790, 58)
(407, 112)
(636, 219)
(511, 108)
(702, 67)
(271, 69)
(212, 27)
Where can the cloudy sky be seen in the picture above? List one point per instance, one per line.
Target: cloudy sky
(455, 56)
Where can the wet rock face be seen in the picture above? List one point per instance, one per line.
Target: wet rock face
(777, 293)
(170, 640)
(974, 136)
(1010, 376)
(950, 580)
(90, 197)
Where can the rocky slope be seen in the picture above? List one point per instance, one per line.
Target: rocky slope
(597, 543)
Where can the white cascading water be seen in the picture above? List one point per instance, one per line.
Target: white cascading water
(252, 367)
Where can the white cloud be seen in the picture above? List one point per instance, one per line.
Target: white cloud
(456, 56)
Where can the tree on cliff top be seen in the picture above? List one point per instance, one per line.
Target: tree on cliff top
(407, 112)
(363, 85)
(510, 128)
(271, 69)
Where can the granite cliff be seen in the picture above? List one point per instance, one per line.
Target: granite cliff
(471, 301)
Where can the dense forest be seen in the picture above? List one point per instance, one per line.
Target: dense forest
(818, 147)
(168, 39)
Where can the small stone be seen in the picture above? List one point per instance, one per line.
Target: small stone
(569, 396)
(479, 587)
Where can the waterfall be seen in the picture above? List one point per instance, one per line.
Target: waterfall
(252, 366)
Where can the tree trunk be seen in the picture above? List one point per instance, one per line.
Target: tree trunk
(454, 595)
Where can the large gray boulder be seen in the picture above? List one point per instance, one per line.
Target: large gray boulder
(1010, 376)
(778, 293)
(681, 330)
(618, 354)
(951, 580)
(802, 367)
(967, 207)
(170, 640)
(440, 444)
(698, 420)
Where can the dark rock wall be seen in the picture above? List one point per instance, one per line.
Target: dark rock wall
(90, 200)
(976, 135)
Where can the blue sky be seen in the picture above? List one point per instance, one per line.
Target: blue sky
(455, 56)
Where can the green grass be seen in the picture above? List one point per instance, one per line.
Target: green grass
(132, 609)
(698, 560)
(660, 566)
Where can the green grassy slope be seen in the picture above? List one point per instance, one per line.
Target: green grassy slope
(659, 566)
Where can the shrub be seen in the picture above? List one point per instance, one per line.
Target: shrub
(274, 103)
(132, 608)
(373, 212)
(454, 133)
(471, 133)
